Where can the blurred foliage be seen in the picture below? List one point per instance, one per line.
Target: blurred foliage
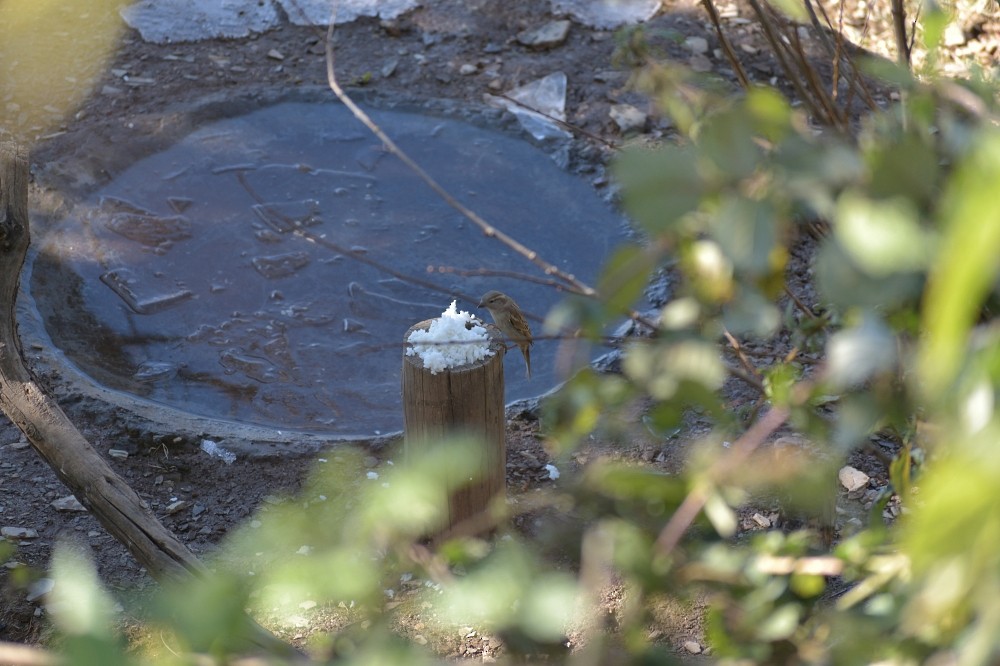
(899, 337)
(52, 53)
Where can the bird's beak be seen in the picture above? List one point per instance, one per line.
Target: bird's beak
(481, 304)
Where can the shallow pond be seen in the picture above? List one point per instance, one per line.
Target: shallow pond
(265, 268)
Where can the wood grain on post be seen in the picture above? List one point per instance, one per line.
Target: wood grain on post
(466, 400)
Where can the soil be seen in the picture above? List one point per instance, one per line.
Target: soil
(144, 103)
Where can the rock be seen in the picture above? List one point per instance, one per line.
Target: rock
(19, 446)
(68, 503)
(467, 69)
(18, 533)
(763, 521)
(696, 45)
(545, 36)
(607, 14)
(546, 95)
(628, 118)
(275, 54)
(852, 479)
(954, 35)
(179, 505)
(40, 588)
(118, 453)
(389, 68)
(700, 63)
(694, 647)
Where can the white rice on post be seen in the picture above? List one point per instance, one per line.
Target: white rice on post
(453, 339)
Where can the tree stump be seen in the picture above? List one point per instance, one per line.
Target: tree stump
(463, 401)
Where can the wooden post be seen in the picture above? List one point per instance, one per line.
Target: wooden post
(467, 400)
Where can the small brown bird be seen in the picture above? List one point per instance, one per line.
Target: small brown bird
(511, 322)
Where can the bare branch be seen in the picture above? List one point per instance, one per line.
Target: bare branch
(727, 46)
(489, 230)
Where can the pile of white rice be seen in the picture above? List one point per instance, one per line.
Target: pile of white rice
(449, 342)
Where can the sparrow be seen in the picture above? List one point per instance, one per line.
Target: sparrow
(511, 322)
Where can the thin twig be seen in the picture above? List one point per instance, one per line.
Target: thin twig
(727, 47)
(899, 31)
(490, 231)
(799, 304)
(744, 361)
(559, 121)
(490, 272)
(857, 81)
(810, 74)
(778, 48)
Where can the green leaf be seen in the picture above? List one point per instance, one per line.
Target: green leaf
(625, 274)
(771, 112)
(727, 140)
(781, 623)
(778, 382)
(722, 517)
(660, 186)
(793, 9)
(40, 37)
(747, 232)
(907, 168)
(856, 354)
(882, 237)
(807, 586)
(899, 472)
(966, 266)
(749, 313)
(843, 283)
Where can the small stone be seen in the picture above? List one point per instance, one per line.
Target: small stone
(694, 647)
(545, 36)
(467, 69)
(749, 48)
(17, 533)
(628, 118)
(40, 588)
(275, 54)
(852, 479)
(419, 639)
(177, 506)
(118, 453)
(393, 28)
(20, 446)
(954, 35)
(309, 604)
(700, 63)
(389, 68)
(68, 503)
(696, 44)
(762, 521)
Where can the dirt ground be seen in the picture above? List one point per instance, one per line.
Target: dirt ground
(142, 103)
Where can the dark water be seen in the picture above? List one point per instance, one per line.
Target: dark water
(188, 279)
